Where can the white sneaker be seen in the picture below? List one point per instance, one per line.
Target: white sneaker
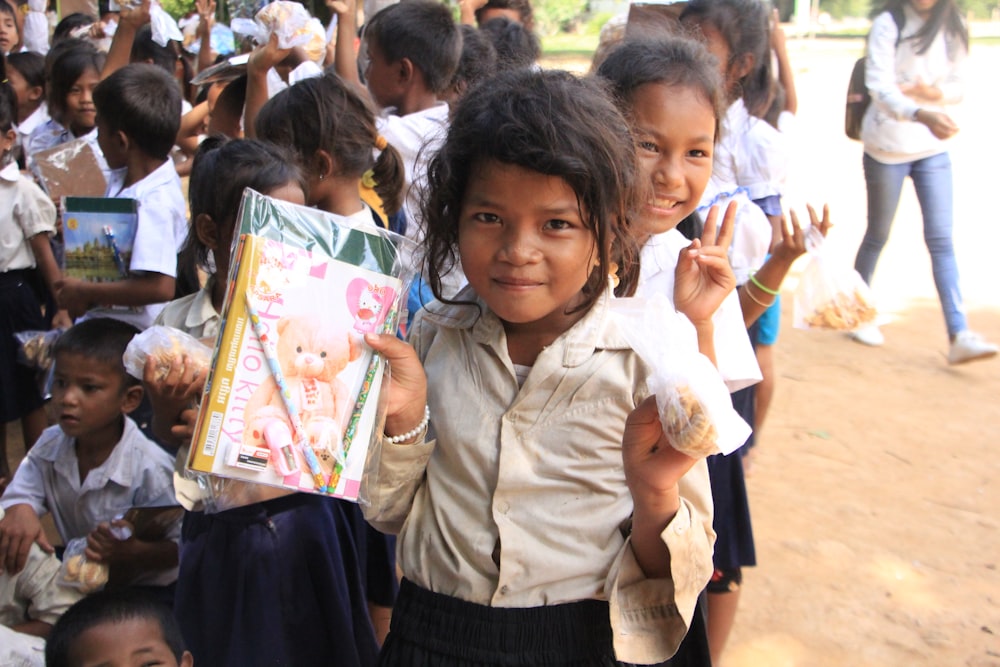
(868, 335)
(970, 346)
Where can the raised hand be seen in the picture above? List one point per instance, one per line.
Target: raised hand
(704, 277)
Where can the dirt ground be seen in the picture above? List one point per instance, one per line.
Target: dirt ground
(874, 491)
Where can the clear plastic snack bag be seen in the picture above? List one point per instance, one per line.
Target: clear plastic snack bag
(164, 344)
(831, 295)
(35, 351)
(696, 411)
(293, 25)
(78, 571)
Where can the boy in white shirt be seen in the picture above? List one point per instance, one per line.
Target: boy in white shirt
(411, 50)
(138, 116)
(93, 466)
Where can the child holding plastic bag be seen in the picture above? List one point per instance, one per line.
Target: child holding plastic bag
(521, 421)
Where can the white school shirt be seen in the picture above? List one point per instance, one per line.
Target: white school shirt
(734, 354)
(36, 119)
(138, 473)
(417, 136)
(888, 131)
(159, 236)
(25, 211)
(538, 470)
(750, 153)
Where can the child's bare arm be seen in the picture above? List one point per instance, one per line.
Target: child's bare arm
(129, 558)
(263, 58)
(345, 60)
(653, 470)
(20, 528)
(139, 289)
(49, 269)
(785, 74)
(467, 10)
(120, 52)
(206, 20)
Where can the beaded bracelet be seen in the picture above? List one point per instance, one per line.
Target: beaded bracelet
(765, 290)
(413, 432)
(746, 288)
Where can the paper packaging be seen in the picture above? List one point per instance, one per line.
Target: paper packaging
(70, 170)
(318, 284)
(653, 19)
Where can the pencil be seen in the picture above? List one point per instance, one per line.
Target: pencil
(359, 405)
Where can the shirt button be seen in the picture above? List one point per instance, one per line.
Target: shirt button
(504, 589)
(504, 507)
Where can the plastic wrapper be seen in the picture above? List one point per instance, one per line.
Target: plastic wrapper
(70, 169)
(831, 295)
(221, 40)
(291, 400)
(35, 351)
(78, 572)
(695, 408)
(293, 25)
(165, 345)
(163, 25)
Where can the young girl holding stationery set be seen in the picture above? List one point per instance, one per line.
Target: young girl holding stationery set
(548, 519)
(299, 573)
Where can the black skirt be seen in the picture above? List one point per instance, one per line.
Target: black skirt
(430, 629)
(19, 311)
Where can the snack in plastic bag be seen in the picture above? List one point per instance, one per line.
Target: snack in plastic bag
(164, 344)
(80, 573)
(696, 411)
(36, 347)
(830, 295)
(293, 25)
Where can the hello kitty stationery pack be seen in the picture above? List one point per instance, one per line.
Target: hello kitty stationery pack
(292, 396)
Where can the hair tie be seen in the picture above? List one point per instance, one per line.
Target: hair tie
(381, 143)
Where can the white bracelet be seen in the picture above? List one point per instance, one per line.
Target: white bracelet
(413, 432)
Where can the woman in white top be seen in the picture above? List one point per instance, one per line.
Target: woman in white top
(913, 71)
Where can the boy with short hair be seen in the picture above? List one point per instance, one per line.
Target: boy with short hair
(117, 629)
(412, 50)
(93, 465)
(138, 116)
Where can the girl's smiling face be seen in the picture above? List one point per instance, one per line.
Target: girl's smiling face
(525, 247)
(674, 131)
(81, 114)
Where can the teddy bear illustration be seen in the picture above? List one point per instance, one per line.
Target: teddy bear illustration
(369, 304)
(311, 356)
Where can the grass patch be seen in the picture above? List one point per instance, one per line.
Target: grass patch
(568, 46)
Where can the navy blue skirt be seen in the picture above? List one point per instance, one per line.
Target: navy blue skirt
(19, 311)
(434, 630)
(286, 582)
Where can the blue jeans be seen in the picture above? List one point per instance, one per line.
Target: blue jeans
(932, 182)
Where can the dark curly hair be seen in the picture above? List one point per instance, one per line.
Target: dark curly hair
(556, 124)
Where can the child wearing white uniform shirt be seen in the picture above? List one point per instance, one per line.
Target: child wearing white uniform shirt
(94, 465)
(139, 108)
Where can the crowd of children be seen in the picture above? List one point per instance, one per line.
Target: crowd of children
(541, 511)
